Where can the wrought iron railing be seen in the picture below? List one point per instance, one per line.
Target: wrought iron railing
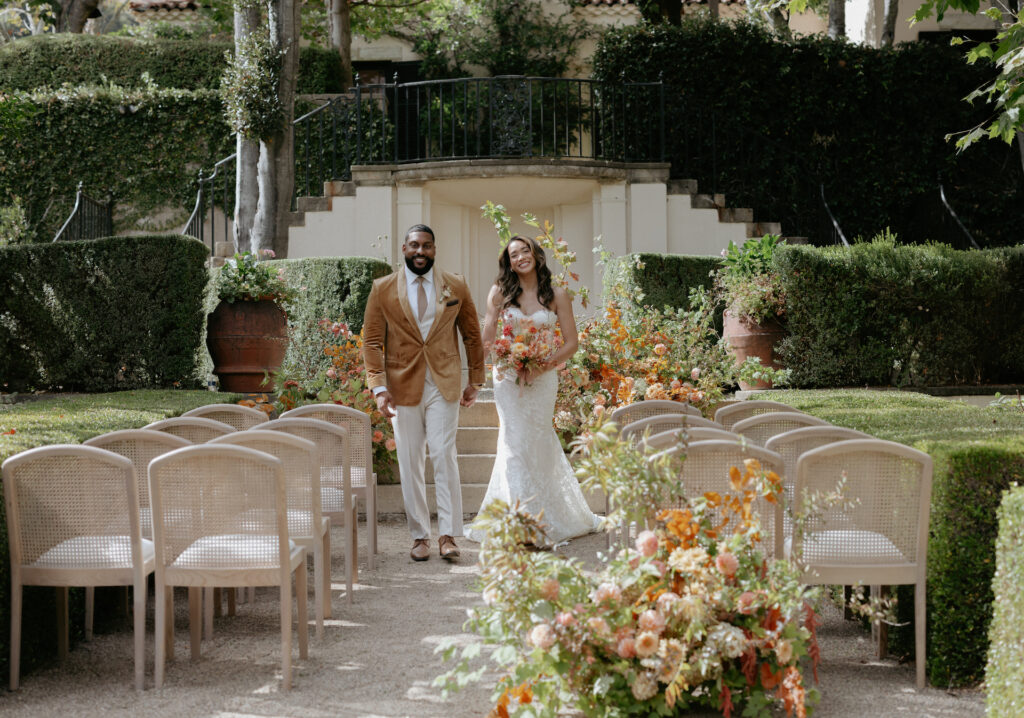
(468, 118)
(89, 219)
(479, 118)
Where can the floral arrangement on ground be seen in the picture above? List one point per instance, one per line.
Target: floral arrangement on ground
(341, 380)
(693, 614)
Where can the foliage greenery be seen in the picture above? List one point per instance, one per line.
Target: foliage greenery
(249, 87)
(978, 454)
(505, 37)
(69, 419)
(1004, 691)
(659, 280)
(881, 314)
(101, 315)
(747, 282)
(53, 60)
(142, 146)
(244, 278)
(879, 159)
(13, 225)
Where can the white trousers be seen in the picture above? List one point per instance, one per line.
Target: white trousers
(430, 424)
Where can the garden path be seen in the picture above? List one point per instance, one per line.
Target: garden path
(377, 659)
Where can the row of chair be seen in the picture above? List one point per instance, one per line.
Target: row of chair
(198, 501)
(878, 533)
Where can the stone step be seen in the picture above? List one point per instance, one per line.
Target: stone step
(472, 468)
(760, 229)
(482, 413)
(390, 504)
(476, 440)
(312, 204)
(707, 201)
(735, 214)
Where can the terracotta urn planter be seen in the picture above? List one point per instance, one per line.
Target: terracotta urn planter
(748, 338)
(246, 340)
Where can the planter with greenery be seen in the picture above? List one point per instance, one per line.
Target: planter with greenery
(247, 334)
(751, 290)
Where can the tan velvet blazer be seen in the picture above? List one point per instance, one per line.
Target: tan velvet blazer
(395, 353)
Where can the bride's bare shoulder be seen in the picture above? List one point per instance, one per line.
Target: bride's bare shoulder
(495, 297)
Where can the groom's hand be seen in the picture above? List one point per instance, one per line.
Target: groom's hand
(386, 404)
(468, 396)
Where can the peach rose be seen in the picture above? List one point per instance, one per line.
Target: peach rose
(378, 436)
(667, 601)
(542, 636)
(565, 619)
(549, 589)
(651, 621)
(390, 444)
(646, 644)
(608, 592)
(598, 625)
(626, 648)
(746, 603)
(647, 543)
(332, 374)
(784, 652)
(727, 563)
(660, 349)
(695, 373)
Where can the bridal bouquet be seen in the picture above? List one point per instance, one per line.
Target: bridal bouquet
(522, 346)
(691, 615)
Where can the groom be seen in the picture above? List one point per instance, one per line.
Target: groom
(411, 354)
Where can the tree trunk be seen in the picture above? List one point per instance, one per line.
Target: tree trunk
(780, 24)
(276, 167)
(892, 11)
(713, 8)
(247, 153)
(836, 19)
(1020, 146)
(339, 22)
(74, 14)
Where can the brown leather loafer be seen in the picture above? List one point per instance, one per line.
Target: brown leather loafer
(447, 548)
(420, 550)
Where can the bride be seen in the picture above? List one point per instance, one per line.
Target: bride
(530, 465)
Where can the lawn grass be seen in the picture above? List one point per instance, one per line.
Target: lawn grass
(904, 416)
(978, 454)
(73, 418)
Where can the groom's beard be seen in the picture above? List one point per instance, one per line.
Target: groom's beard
(420, 271)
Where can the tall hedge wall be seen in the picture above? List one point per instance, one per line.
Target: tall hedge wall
(659, 280)
(143, 147)
(100, 315)
(1004, 674)
(766, 122)
(881, 314)
(49, 61)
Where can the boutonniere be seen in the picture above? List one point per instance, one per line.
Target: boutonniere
(446, 293)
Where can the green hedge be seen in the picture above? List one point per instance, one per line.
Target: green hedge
(659, 280)
(333, 288)
(880, 314)
(142, 147)
(766, 122)
(49, 61)
(978, 454)
(71, 420)
(1004, 680)
(100, 315)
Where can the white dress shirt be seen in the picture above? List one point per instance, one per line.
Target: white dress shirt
(413, 293)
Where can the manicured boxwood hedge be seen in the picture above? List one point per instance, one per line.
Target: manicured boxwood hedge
(142, 147)
(71, 420)
(766, 122)
(881, 314)
(49, 61)
(978, 454)
(1004, 674)
(101, 315)
(659, 280)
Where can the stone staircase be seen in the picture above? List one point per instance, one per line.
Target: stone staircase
(476, 442)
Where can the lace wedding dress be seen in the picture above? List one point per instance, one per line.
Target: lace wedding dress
(530, 465)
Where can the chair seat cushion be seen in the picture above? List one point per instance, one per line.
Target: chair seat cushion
(232, 551)
(94, 552)
(853, 546)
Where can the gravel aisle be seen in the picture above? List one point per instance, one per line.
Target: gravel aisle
(377, 658)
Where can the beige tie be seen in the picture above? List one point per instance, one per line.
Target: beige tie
(421, 297)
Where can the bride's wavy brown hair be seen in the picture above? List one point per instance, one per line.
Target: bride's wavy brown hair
(508, 281)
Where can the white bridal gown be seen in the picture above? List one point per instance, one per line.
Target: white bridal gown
(530, 463)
